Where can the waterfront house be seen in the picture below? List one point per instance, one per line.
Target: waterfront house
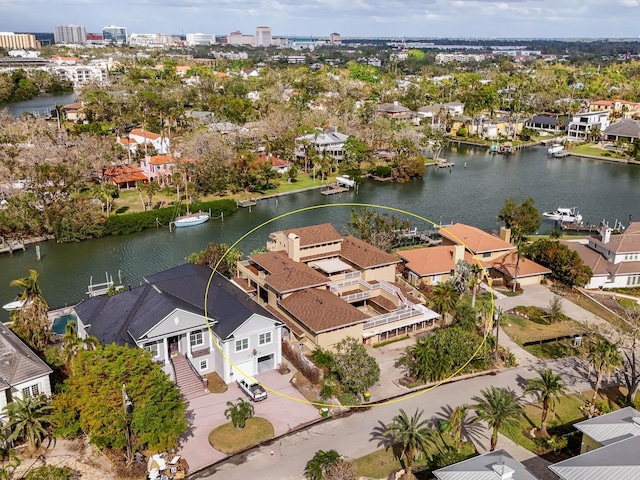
(167, 316)
(544, 122)
(124, 177)
(433, 265)
(583, 125)
(139, 138)
(614, 258)
(624, 130)
(616, 108)
(277, 164)
(159, 168)
(394, 110)
(330, 141)
(74, 112)
(22, 373)
(496, 465)
(325, 287)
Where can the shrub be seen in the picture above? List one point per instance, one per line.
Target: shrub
(322, 358)
(49, 472)
(462, 132)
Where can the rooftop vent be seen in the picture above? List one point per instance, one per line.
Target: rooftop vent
(502, 471)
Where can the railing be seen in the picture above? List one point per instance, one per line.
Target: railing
(393, 290)
(355, 274)
(355, 296)
(406, 312)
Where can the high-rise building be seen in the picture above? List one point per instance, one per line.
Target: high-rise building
(263, 37)
(335, 39)
(11, 40)
(237, 38)
(70, 34)
(114, 34)
(200, 39)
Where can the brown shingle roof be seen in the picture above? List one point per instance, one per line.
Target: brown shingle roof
(363, 255)
(598, 264)
(321, 310)
(432, 260)
(474, 239)
(526, 268)
(285, 275)
(315, 234)
(627, 242)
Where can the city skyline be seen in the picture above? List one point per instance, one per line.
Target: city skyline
(362, 18)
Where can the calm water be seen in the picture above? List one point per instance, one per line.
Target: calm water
(473, 194)
(41, 105)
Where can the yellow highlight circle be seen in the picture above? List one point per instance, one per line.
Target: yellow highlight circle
(366, 405)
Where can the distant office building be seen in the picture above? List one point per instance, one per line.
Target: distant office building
(263, 37)
(335, 39)
(70, 34)
(10, 40)
(460, 57)
(200, 39)
(152, 40)
(115, 34)
(237, 38)
(95, 37)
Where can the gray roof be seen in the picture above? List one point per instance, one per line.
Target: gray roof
(490, 466)
(325, 138)
(612, 427)
(18, 363)
(544, 120)
(625, 127)
(125, 318)
(392, 108)
(619, 461)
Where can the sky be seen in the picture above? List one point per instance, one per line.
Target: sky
(350, 18)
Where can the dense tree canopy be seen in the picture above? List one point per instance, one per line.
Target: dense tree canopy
(565, 264)
(523, 219)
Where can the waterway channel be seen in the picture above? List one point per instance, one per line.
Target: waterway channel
(472, 194)
(40, 105)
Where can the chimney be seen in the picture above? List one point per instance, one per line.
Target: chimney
(294, 247)
(502, 471)
(505, 234)
(606, 234)
(458, 253)
(332, 129)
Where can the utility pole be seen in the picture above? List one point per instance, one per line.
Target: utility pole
(127, 405)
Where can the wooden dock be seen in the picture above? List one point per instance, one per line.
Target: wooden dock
(445, 164)
(561, 154)
(10, 246)
(251, 202)
(333, 189)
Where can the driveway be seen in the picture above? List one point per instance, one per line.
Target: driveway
(285, 408)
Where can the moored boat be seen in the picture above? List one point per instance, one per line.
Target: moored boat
(570, 215)
(191, 219)
(555, 148)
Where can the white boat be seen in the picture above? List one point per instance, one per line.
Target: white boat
(345, 181)
(564, 215)
(555, 148)
(190, 219)
(15, 305)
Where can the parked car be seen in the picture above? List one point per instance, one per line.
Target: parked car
(252, 389)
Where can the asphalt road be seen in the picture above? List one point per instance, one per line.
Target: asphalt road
(354, 436)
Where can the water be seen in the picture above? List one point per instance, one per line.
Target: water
(472, 195)
(40, 105)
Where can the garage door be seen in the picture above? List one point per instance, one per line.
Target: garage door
(243, 369)
(265, 363)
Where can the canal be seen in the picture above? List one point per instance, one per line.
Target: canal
(40, 105)
(472, 194)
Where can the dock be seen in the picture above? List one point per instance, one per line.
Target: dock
(445, 164)
(10, 246)
(251, 202)
(333, 189)
(97, 289)
(561, 154)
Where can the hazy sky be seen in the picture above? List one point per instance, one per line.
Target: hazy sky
(424, 18)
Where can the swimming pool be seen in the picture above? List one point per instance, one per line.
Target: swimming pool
(60, 323)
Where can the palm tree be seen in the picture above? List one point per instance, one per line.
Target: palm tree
(412, 434)
(444, 298)
(474, 282)
(316, 468)
(604, 357)
(239, 412)
(9, 461)
(456, 423)
(29, 418)
(72, 344)
(31, 321)
(497, 407)
(550, 388)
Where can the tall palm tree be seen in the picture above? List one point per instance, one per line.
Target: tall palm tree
(496, 407)
(474, 282)
(550, 388)
(413, 434)
(31, 321)
(316, 468)
(29, 418)
(604, 357)
(456, 423)
(444, 298)
(239, 412)
(72, 344)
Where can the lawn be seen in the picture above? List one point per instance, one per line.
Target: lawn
(523, 330)
(228, 439)
(589, 149)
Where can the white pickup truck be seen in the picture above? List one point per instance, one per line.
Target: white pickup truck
(252, 389)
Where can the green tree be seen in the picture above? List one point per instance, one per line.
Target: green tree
(317, 467)
(565, 264)
(152, 188)
(496, 407)
(550, 388)
(49, 472)
(455, 423)
(31, 321)
(218, 256)
(29, 419)
(555, 312)
(9, 461)
(90, 401)
(380, 230)
(357, 370)
(239, 412)
(523, 219)
(444, 298)
(412, 434)
(604, 357)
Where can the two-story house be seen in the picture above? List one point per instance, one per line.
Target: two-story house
(186, 316)
(584, 124)
(159, 168)
(330, 141)
(138, 138)
(326, 287)
(616, 108)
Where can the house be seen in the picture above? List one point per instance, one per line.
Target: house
(277, 164)
(496, 465)
(433, 110)
(613, 258)
(616, 108)
(158, 168)
(74, 112)
(249, 72)
(330, 141)
(139, 138)
(166, 316)
(433, 265)
(544, 122)
(625, 130)
(609, 449)
(325, 287)
(394, 110)
(22, 373)
(125, 177)
(583, 125)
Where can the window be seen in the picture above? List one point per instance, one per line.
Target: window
(204, 365)
(242, 345)
(264, 338)
(197, 339)
(153, 348)
(32, 391)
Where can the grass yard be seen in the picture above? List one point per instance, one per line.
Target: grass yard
(596, 309)
(589, 149)
(228, 439)
(523, 330)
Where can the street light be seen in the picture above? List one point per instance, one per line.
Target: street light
(496, 321)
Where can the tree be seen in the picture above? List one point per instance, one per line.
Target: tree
(550, 388)
(380, 230)
(239, 412)
(412, 434)
(555, 311)
(523, 219)
(604, 357)
(31, 321)
(29, 419)
(72, 344)
(357, 370)
(631, 368)
(496, 407)
(474, 282)
(444, 298)
(317, 467)
(152, 188)
(565, 264)
(90, 401)
(455, 423)
(218, 256)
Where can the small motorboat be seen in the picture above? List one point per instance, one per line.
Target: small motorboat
(555, 148)
(17, 304)
(345, 181)
(569, 215)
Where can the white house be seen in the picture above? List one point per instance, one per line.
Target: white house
(330, 141)
(584, 123)
(166, 316)
(138, 137)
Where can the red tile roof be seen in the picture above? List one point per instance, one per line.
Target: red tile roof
(285, 275)
(141, 133)
(275, 161)
(363, 255)
(161, 159)
(474, 239)
(526, 268)
(120, 175)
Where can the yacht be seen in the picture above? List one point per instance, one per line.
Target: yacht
(564, 215)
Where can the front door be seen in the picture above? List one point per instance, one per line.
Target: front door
(174, 345)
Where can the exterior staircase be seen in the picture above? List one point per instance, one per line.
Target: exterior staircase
(190, 384)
